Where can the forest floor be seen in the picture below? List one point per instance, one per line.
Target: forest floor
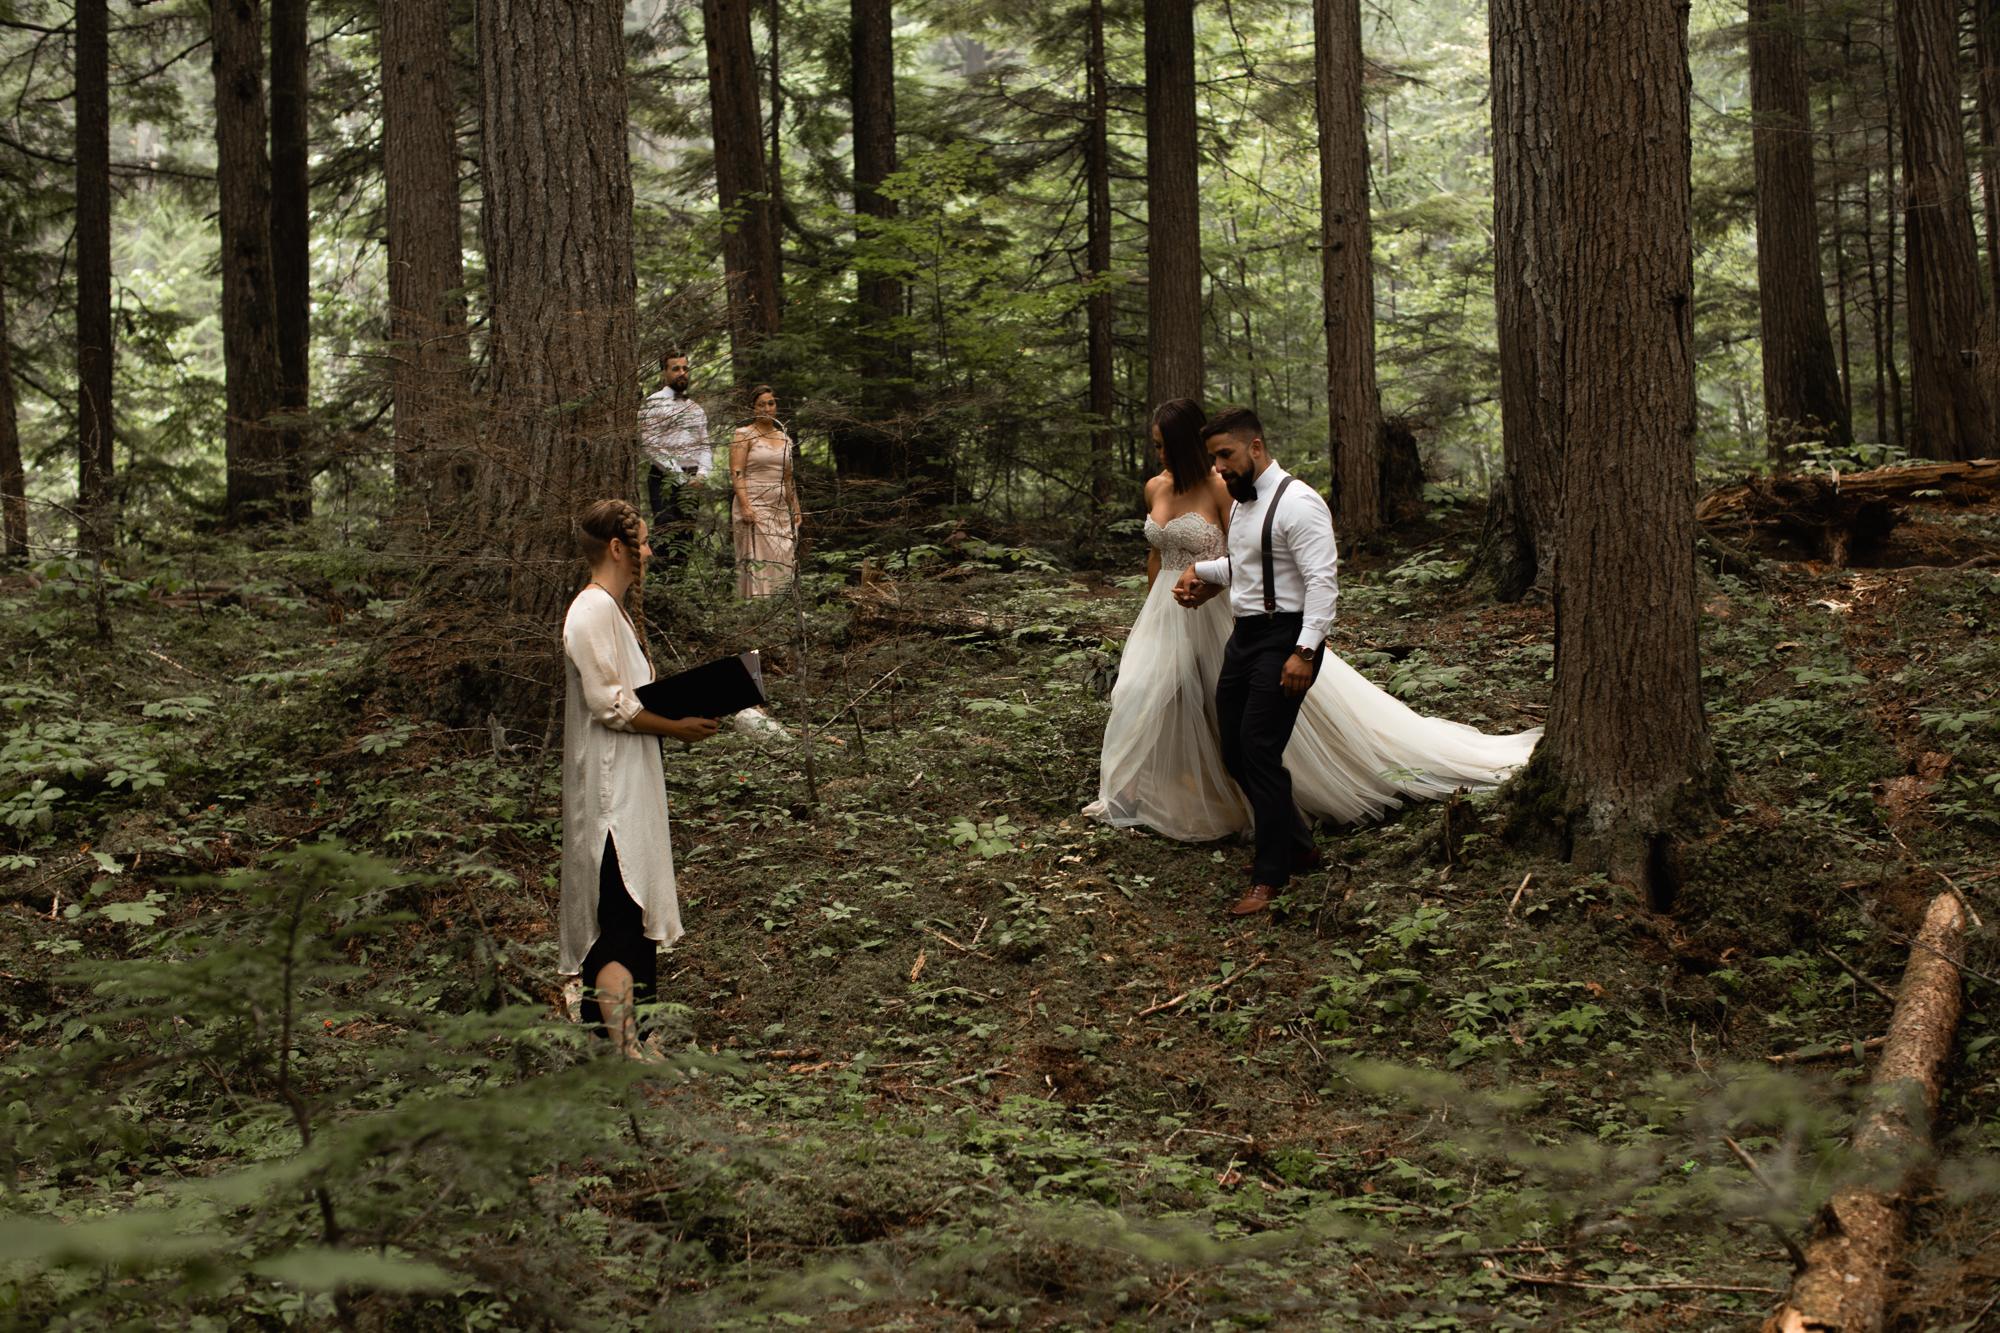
(941, 1053)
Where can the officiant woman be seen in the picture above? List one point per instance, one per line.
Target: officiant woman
(618, 899)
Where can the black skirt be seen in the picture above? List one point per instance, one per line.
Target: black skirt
(621, 938)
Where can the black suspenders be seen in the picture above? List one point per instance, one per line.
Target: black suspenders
(1270, 565)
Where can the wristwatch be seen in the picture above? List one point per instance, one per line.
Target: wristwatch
(1301, 651)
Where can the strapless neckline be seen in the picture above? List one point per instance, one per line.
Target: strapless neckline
(1184, 539)
(1157, 526)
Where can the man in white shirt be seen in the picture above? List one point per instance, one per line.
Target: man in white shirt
(673, 430)
(1280, 577)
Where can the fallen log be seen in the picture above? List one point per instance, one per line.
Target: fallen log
(1833, 515)
(885, 613)
(1845, 1285)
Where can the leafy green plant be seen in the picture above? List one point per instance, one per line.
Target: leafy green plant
(1006, 706)
(320, 1163)
(984, 838)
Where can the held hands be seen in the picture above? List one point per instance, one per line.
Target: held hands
(1191, 592)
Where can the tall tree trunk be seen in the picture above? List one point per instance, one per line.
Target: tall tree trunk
(1842, 288)
(13, 477)
(1802, 397)
(1517, 552)
(1986, 45)
(1877, 326)
(1952, 415)
(93, 271)
(866, 450)
(1627, 744)
(426, 268)
(775, 163)
(557, 224)
(291, 241)
(1173, 205)
(1097, 311)
(253, 458)
(750, 247)
(1347, 270)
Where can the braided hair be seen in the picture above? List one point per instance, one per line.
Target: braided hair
(597, 527)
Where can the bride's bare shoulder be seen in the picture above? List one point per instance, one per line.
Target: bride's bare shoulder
(1218, 491)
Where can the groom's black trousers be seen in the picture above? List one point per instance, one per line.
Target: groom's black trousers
(1256, 721)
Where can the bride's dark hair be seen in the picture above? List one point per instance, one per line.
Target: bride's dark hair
(1180, 421)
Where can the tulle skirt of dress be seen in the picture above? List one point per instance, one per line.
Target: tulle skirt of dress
(1162, 763)
(1358, 749)
(1356, 752)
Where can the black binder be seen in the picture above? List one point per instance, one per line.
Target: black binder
(715, 689)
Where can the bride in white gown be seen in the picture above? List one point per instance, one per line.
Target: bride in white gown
(1357, 750)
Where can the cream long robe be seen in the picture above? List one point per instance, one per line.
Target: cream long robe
(612, 781)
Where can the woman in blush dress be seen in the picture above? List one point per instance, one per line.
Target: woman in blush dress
(1357, 750)
(766, 500)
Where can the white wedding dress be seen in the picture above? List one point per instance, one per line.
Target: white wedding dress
(1357, 751)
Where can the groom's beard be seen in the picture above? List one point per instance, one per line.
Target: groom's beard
(1242, 489)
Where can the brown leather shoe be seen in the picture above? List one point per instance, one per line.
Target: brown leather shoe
(1255, 901)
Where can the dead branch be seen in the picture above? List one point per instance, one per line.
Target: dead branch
(1828, 1053)
(1869, 982)
(1216, 989)
(1845, 1288)
(1538, 1281)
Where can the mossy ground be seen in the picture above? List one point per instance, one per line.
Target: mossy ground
(970, 1060)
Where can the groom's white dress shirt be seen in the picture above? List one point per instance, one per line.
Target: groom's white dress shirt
(674, 431)
(1303, 557)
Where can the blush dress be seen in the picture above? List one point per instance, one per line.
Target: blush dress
(1356, 753)
(764, 537)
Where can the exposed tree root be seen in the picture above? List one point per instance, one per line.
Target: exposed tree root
(1845, 1287)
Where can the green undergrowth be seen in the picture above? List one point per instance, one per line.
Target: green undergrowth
(286, 1046)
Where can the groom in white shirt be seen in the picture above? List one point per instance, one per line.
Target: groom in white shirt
(673, 430)
(1280, 577)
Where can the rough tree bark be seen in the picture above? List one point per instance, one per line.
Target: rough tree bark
(13, 477)
(1802, 393)
(557, 224)
(749, 247)
(1347, 270)
(1951, 412)
(427, 330)
(862, 450)
(1517, 551)
(1986, 50)
(93, 270)
(1627, 750)
(1097, 312)
(252, 456)
(291, 241)
(1173, 206)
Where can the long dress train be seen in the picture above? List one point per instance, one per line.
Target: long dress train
(1357, 751)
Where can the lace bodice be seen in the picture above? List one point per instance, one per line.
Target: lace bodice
(1182, 541)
